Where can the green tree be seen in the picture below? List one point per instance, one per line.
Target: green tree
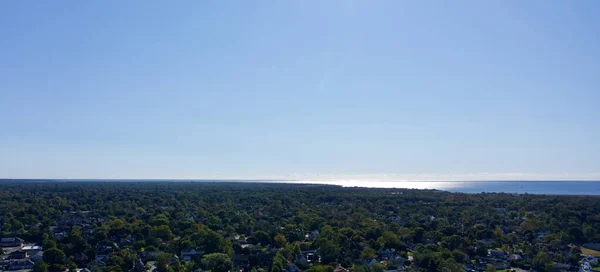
(490, 268)
(48, 244)
(540, 260)
(328, 251)
(262, 237)
(177, 265)
(320, 268)
(391, 240)
(450, 265)
(217, 262)
(278, 263)
(368, 253)
(162, 261)
(458, 256)
(280, 240)
(72, 267)
(54, 256)
(377, 267)
(40, 266)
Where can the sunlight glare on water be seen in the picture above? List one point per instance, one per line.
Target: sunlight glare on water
(439, 185)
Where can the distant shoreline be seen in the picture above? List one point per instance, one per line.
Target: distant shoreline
(289, 180)
(532, 187)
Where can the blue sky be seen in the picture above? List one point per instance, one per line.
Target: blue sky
(268, 89)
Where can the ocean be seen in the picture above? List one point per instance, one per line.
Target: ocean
(519, 187)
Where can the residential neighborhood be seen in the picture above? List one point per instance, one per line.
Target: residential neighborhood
(328, 232)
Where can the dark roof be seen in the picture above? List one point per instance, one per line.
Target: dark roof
(20, 261)
(340, 269)
(11, 239)
(240, 257)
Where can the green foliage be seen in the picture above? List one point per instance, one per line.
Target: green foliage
(353, 223)
(320, 268)
(458, 256)
(490, 268)
(329, 251)
(40, 266)
(54, 256)
(368, 253)
(278, 263)
(280, 240)
(540, 260)
(262, 237)
(377, 267)
(217, 262)
(72, 267)
(450, 265)
(162, 261)
(391, 240)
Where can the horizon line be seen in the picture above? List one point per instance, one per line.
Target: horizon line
(267, 180)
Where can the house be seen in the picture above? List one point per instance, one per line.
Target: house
(37, 256)
(60, 235)
(468, 267)
(301, 259)
(102, 257)
(190, 253)
(103, 252)
(290, 267)
(246, 245)
(126, 241)
(514, 257)
(479, 266)
(486, 242)
(150, 255)
(17, 255)
(20, 264)
(265, 259)
(498, 254)
(500, 265)
(96, 263)
(240, 260)
(340, 269)
(11, 242)
(310, 255)
(542, 234)
(585, 267)
(396, 260)
(32, 248)
(80, 257)
(369, 262)
(562, 267)
(386, 254)
(138, 266)
(312, 236)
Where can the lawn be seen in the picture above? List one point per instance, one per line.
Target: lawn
(590, 252)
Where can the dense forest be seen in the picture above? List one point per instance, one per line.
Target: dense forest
(221, 226)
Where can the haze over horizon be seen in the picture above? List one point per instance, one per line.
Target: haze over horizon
(468, 90)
